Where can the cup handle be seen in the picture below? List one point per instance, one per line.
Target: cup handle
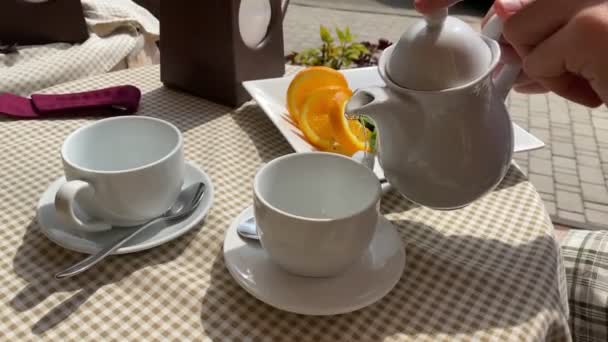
(504, 80)
(65, 200)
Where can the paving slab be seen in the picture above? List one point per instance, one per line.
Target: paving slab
(591, 174)
(541, 166)
(571, 216)
(563, 178)
(587, 160)
(583, 129)
(561, 149)
(563, 162)
(569, 201)
(595, 193)
(541, 153)
(568, 188)
(548, 198)
(597, 207)
(597, 217)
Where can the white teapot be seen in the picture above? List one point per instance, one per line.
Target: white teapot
(445, 136)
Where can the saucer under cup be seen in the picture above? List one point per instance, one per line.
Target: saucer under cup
(365, 282)
(74, 239)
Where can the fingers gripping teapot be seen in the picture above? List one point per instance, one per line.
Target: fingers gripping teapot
(445, 136)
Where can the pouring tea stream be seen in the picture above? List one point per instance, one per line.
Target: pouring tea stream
(445, 137)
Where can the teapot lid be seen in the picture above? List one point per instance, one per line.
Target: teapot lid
(437, 53)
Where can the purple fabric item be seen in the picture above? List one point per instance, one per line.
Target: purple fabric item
(121, 98)
(18, 106)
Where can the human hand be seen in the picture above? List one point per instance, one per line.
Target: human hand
(560, 43)
(428, 6)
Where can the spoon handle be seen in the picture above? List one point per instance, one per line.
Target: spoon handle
(93, 259)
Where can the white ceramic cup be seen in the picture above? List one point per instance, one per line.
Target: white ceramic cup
(316, 213)
(120, 171)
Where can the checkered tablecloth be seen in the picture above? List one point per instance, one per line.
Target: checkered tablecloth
(489, 272)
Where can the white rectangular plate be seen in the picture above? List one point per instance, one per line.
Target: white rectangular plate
(270, 95)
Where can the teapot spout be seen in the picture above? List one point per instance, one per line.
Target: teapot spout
(368, 102)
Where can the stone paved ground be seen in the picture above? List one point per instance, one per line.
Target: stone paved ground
(571, 172)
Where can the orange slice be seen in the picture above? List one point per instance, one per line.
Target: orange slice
(352, 135)
(337, 148)
(314, 117)
(307, 81)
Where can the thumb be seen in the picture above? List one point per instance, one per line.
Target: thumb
(506, 8)
(428, 6)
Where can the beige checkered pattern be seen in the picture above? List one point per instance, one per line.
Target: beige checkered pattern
(489, 272)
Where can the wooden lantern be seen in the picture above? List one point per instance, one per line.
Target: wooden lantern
(208, 48)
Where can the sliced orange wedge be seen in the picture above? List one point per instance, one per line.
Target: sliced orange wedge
(337, 148)
(315, 117)
(352, 135)
(307, 81)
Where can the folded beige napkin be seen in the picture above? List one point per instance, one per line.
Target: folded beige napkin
(122, 35)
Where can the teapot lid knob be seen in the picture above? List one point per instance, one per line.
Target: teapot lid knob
(436, 18)
(437, 53)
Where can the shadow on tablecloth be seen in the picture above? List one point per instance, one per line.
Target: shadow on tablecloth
(452, 285)
(261, 131)
(188, 112)
(38, 259)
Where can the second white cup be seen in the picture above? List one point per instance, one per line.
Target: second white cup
(120, 171)
(316, 213)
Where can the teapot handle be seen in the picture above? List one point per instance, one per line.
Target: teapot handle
(504, 80)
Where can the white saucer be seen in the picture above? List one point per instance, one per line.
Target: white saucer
(363, 284)
(92, 242)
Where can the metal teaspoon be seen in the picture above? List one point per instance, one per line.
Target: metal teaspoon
(187, 201)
